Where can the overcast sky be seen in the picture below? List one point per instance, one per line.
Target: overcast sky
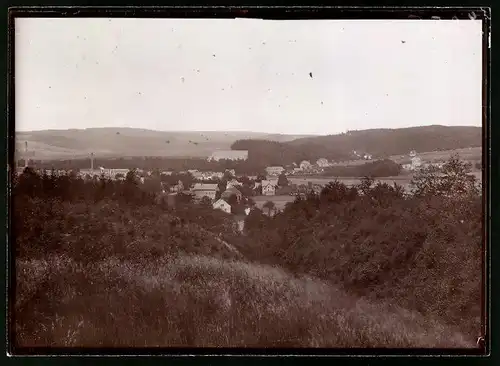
(249, 75)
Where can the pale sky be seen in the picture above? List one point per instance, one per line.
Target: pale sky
(246, 74)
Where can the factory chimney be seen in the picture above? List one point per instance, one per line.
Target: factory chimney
(92, 161)
(26, 155)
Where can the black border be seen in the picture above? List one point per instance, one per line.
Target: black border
(266, 13)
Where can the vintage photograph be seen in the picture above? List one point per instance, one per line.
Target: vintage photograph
(247, 183)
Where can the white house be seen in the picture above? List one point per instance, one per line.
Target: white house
(416, 162)
(322, 162)
(201, 190)
(304, 165)
(268, 188)
(221, 204)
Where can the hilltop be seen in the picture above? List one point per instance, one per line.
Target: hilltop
(386, 142)
(113, 142)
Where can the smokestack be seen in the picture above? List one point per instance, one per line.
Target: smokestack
(92, 161)
(26, 155)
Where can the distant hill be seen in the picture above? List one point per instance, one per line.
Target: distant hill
(114, 142)
(380, 143)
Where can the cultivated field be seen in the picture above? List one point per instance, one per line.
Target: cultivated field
(467, 154)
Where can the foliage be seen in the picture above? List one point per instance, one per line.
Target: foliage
(282, 180)
(422, 253)
(338, 259)
(454, 179)
(270, 206)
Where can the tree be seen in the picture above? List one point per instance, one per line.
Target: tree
(206, 201)
(282, 180)
(131, 177)
(365, 185)
(250, 203)
(452, 180)
(261, 177)
(255, 221)
(336, 192)
(270, 206)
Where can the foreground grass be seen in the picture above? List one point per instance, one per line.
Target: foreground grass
(207, 302)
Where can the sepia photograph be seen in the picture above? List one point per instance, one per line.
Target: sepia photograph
(245, 183)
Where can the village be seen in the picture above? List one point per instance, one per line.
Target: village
(238, 194)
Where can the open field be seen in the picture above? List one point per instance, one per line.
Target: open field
(118, 142)
(468, 154)
(402, 180)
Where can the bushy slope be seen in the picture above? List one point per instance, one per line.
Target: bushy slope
(88, 232)
(202, 301)
(423, 254)
(100, 263)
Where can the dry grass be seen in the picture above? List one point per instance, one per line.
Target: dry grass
(204, 301)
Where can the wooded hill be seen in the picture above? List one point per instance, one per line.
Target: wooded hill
(380, 143)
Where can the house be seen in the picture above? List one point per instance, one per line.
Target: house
(232, 192)
(115, 172)
(274, 170)
(221, 204)
(413, 153)
(268, 188)
(416, 162)
(322, 163)
(367, 156)
(229, 155)
(231, 171)
(304, 165)
(201, 190)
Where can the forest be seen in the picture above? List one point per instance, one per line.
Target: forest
(380, 143)
(363, 266)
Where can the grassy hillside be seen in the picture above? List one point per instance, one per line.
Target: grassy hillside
(109, 142)
(206, 302)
